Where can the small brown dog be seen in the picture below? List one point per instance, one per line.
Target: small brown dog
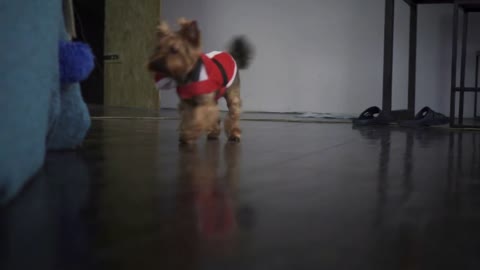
(200, 80)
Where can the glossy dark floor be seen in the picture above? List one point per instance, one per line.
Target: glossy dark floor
(290, 196)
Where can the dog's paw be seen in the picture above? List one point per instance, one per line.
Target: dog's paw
(212, 137)
(234, 139)
(182, 141)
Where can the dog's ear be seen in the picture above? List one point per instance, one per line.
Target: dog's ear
(163, 29)
(189, 30)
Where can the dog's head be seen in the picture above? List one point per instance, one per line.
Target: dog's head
(176, 52)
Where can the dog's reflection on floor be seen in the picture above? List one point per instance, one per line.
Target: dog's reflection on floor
(208, 193)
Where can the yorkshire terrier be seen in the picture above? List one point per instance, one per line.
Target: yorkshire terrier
(200, 80)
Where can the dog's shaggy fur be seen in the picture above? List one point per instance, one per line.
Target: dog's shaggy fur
(176, 54)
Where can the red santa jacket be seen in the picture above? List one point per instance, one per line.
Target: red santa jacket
(216, 73)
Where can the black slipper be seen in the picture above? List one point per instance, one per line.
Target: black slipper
(426, 117)
(373, 116)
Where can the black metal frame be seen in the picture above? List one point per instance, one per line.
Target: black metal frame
(462, 89)
(467, 6)
(475, 101)
(388, 60)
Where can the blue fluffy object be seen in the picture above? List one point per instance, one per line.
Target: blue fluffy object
(76, 61)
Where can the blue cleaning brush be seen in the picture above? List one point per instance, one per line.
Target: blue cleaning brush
(76, 61)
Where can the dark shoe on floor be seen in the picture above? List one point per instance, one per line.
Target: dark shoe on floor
(426, 117)
(373, 116)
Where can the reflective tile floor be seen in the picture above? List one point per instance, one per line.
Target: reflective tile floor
(289, 196)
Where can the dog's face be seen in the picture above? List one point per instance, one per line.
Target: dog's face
(176, 52)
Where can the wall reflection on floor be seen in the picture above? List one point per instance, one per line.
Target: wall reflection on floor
(415, 226)
(117, 207)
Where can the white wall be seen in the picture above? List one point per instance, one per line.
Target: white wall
(325, 56)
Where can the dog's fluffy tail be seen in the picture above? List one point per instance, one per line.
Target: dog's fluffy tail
(242, 51)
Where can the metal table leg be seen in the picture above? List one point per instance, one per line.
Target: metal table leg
(475, 101)
(412, 60)
(388, 56)
(462, 67)
(454, 64)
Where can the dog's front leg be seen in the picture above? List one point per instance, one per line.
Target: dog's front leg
(212, 121)
(189, 128)
(197, 117)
